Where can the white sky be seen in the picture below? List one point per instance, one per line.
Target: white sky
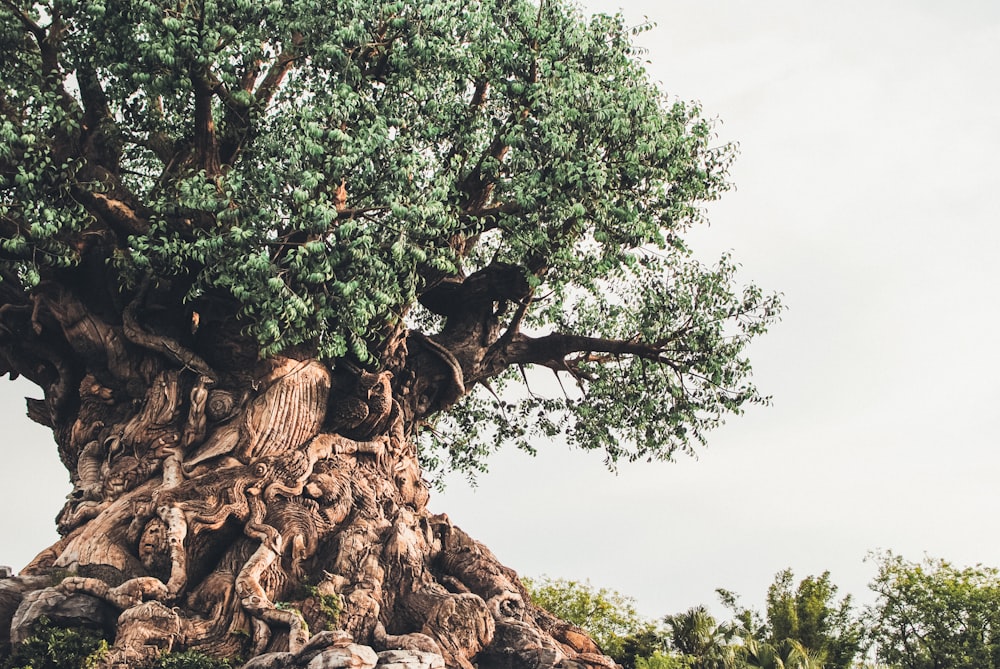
(867, 193)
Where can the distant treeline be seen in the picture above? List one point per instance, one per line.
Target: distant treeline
(927, 615)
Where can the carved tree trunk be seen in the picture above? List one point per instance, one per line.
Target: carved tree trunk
(239, 507)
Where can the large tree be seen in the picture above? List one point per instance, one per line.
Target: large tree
(934, 615)
(810, 615)
(269, 261)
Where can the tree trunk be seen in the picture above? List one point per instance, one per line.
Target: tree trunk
(240, 507)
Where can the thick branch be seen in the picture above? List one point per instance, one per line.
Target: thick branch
(238, 115)
(555, 351)
(171, 348)
(206, 145)
(117, 213)
(100, 143)
(496, 282)
(277, 72)
(36, 30)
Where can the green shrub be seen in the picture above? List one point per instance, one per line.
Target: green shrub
(190, 659)
(51, 647)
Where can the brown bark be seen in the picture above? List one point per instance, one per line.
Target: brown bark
(241, 510)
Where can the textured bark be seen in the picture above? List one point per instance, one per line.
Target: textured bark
(238, 507)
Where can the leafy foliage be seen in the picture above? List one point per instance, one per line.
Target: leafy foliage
(809, 615)
(190, 660)
(319, 169)
(609, 617)
(700, 640)
(52, 647)
(932, 614)
(661, 660)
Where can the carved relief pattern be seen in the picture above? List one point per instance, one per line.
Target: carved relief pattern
(245, 512)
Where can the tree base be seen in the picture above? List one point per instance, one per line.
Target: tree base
(458, 628)
(239, 520)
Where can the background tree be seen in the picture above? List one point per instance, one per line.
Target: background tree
(931, 614)
(703, 642)
(785, 654)
(608, 616)
(661, 660)
(254, 254)
(810, 615)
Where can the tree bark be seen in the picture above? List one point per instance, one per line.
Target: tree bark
(243, 508)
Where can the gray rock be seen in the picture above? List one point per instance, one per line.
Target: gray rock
(5, 571)
(271, 661)
(12, 591)
(409, 659)
(62, 610)
(327, 639)
(351, 656)
(322, 641)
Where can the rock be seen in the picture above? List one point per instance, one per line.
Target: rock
(144, 632)
(271, 661)
(351, 656)
(62, 610)
(589, 661)
(5, 571)
(12, 591)
(326, 639)
(409, 659)
(518, 645)
(322, 641)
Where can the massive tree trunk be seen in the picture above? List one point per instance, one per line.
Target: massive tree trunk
(242, 507)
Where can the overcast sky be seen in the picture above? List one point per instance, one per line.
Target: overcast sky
(867, 192)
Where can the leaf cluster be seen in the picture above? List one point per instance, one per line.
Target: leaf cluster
(316, 169)
(931, 613)
(52, 647)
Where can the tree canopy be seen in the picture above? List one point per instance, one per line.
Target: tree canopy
(810, 615)
(932, 614)
(499, 179)
(607, 615)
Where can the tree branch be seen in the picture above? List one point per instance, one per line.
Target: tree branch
(101, 143)
(206, 145)
(238, 114)
(276, 73)
(114, 207)
(167, 346)
(36, 30)
(495, 282)
(554, 350)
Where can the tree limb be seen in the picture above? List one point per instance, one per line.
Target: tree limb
(36, 30)
(167, 346)
(554, 350)
(276, 73)
(495, 282)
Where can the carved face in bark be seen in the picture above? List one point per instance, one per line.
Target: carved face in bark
(154, 549)
(144, 633)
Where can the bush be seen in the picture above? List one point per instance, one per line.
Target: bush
(190, 659)
(51, 647)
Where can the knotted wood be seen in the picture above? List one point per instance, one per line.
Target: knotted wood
(239, 509)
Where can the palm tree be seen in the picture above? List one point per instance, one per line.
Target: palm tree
(789, 654)
(696, 635)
